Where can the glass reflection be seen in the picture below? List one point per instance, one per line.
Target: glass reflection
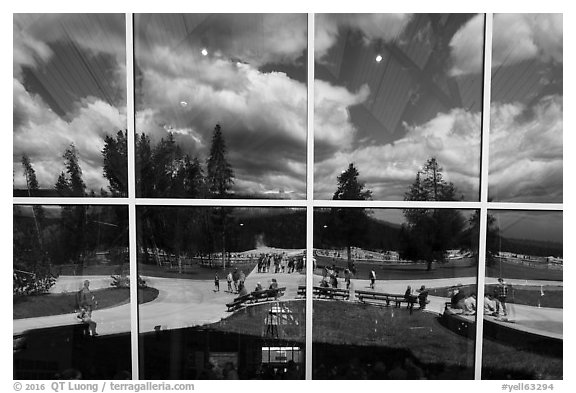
(526, 159)
(395, 298)
(221, 105)
(229, 305)
(395, 90)
(69, 93)
(71, 295)
(523, 306)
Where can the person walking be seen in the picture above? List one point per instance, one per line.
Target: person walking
(235, 278)
(216, 283)
(229, 280)
(372, 279)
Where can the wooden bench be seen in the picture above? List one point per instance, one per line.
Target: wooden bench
(379, 297)
(238, 302)
(256, 297)
(301, 291)
(266, 295)
(330, 293)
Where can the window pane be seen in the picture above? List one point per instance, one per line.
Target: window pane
(211, 319)
(526, 110)
(523, 328)
(394, 91)
(69, 105)
(394, 293)
(71, 293)
(221, 105)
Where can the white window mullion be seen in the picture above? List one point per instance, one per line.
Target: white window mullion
(133, 249)
(310, 197)
(484, 154)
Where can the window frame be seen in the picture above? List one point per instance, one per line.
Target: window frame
(483, 205)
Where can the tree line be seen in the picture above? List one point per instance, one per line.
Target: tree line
(162, 170)
(425, 235)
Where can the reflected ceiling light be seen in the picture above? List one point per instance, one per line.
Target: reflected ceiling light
(378, 58)
(204, 52)
(183, 104)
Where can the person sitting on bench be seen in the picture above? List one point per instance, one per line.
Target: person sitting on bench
(470, 304)
(491, 306)
(242, 289)
(273, 284)
(409, 296)
(457, 299)
(423, 297)
(85, 316)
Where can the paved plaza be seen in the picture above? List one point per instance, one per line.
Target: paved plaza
(185, 303)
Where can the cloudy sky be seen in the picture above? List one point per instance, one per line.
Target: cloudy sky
(69, 87)
(394, 90)
(391, 91)
(245, 72)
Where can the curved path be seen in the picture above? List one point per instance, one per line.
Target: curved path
(185, 303)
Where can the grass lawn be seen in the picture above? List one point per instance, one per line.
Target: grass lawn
(414, 271)
(502, 361)
(525, 294)
(64, 303)
(195, 272)
(343, 330)
(345, 323)
(192, 272)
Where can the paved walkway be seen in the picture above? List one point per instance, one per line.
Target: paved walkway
(185, 303)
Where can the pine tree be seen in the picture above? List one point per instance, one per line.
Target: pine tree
(220, 175)
(32, 186)
(348, 224)
(428, 233)
(62, 186)
(76, 184)
(115, 153)
(471, 237)
(145, 187)
(73, 218)
(219, 180)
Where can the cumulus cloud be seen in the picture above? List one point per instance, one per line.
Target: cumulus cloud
(453, 138)
(44, 136)
(373, 27)
(332, 123)
(262, 115)
(525, 155)
(526, 152)
(28, 51)
(516, 38)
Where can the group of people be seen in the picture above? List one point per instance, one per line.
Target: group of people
(235, 280)
(421, 297)
(86, 302)
(279, 263)
(494, 303)
(330, 277)
(459, 300)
